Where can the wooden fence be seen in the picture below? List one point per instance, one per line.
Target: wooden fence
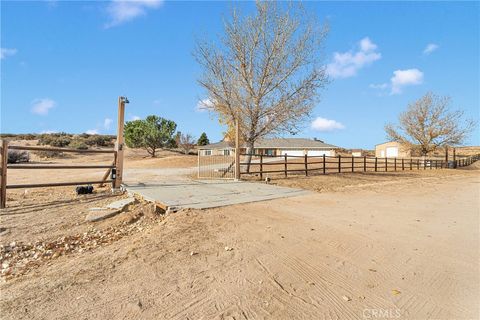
(265, 165)
(4, 166)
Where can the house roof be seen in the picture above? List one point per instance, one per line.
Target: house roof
(277, 143)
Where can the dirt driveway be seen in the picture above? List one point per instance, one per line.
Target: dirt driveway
(407, 250)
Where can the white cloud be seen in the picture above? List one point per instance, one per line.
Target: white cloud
(323, 124)
(430, 48)
(347, 64)
(107, 123)
(133, 118)
(204, 105)
(5, 52)
(402, 78)
(121, 11)
(49, 131)
(92, 131)
(42, 106)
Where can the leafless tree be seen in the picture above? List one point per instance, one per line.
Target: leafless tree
(186, 142)
(428, 124)
(266, 71)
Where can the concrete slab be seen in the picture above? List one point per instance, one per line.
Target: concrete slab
(121, 204)
(210, 194)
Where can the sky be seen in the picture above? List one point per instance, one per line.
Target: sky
(64, 64)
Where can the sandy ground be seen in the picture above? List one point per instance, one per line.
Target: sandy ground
(396, 247)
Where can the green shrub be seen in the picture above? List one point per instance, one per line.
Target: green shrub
(78, 144)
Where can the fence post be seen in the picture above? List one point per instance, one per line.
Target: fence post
(306, 165)
(418, 164)
(454, 159)
(403, 164)
(395, 164)
(119, 146)
(424, 163)
(324, 164)
(386, 164)
(339, 163)
(261, 166)
(436, 164)
(285, 165)
(364, 163)
(353, 164)
(3, 183)
(376, 160)
(411, 164)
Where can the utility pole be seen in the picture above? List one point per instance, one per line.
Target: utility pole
(119, 146)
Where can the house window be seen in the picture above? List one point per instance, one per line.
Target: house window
(269, 152)
(226, 152)
(207, 152)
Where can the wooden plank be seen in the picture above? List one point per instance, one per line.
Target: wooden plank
(53, 184)
(33, 166)
(353, 165)
(32, 148)
(339, 163)
(286, 165)
(3, 175)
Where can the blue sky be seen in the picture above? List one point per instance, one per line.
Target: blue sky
(63, 64)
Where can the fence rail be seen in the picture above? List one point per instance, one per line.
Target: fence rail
(4, 166)
(286, 164)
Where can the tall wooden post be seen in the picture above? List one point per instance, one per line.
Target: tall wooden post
(324, 168)
(261, 166)
(306, 164)
(446, 154)
(3, 183)
(119, 146)
(237, 150)
(454, 158)
(339, 163)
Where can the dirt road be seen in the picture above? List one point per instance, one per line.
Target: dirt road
(408, 250)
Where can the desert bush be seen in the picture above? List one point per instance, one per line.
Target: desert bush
(78, 144)
(18, 156)
(27, 136)
(60, 142)
(99, 141)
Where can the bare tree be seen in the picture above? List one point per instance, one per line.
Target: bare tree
(266, 71)
(186, 142)
(428, 124)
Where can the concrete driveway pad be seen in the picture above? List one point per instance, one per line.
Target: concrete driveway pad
(210, 194)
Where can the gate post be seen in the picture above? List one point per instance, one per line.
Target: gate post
(119, 145)
(3, 183)
(237, 149)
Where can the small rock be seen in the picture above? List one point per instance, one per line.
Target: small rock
(193, 253)
(372, 270)
(228, 249)
(395, 292)
(346, 298)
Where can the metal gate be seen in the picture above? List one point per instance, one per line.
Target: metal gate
(216, 166)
